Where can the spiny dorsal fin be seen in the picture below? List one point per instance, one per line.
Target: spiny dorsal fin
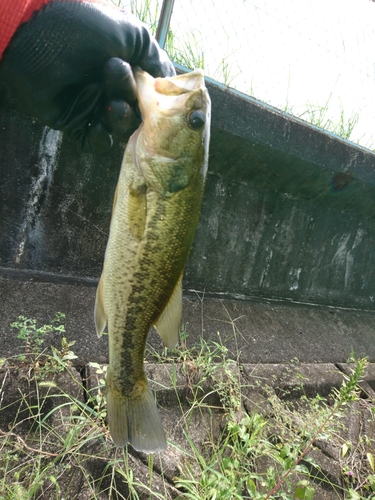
(168, 323)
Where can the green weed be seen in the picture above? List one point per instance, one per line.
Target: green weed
(185, 50)
(57, 437)
(258, 456)
(320, 116)
(34, 337)
(147, 11)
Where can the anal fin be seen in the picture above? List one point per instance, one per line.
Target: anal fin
(169, 321)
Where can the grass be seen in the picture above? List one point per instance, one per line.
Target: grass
(147, 11)
(56, 442)
(320, 116)
(186, 48)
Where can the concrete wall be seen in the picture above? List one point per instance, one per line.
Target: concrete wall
(289, 211)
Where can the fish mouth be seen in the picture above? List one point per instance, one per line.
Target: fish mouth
(173, 85)
(167, 94)
(180, 84)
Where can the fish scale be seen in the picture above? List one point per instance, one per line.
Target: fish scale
(154, 219)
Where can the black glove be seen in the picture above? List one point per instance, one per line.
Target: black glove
(67, 67)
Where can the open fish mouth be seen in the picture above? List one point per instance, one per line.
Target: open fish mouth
(168, 94)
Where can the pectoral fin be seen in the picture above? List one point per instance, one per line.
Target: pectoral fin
(168, 323)
(99, 312)
(137, 210)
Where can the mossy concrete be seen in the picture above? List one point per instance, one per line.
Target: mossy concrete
(289, 210)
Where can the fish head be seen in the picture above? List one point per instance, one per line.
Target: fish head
(172, 146)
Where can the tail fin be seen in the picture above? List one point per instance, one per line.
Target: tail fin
(135, 421)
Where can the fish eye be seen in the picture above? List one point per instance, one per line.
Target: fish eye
(197, 119)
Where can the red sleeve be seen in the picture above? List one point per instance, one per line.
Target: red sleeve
(12, 14)
(15, 12)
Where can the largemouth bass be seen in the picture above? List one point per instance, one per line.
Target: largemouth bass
(154, 218)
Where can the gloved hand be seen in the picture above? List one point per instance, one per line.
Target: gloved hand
(67, 67)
